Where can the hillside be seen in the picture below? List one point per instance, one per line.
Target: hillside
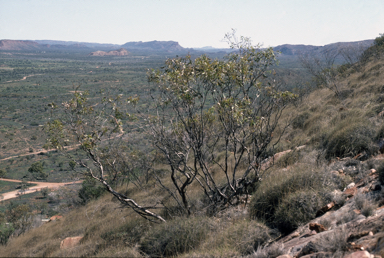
(323, 197)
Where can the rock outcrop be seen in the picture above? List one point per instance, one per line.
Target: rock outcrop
(119, 52)
(70, 242)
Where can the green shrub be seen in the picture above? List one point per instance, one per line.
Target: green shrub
(298, 208)
(247, 236)
(5, 232)
(176, 236)
(90, 189)
(349, 140)
(270, 196)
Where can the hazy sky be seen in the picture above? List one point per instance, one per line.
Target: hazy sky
(193, 23)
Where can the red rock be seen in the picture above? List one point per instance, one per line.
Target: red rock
(325, 209)
(317, 227)
(350, 192)
(70, 242)
(56, 217)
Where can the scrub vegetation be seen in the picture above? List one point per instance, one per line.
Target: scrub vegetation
(195, 156)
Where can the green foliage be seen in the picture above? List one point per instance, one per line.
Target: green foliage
(45, 192)
(90, 190)
(72, 164)
(247, 236)
(232, 105)
(349, 139)
(5, 232)
(176, 236)
(298, 208)
(301, 185)
(37, 171)
(3, 173)
(20, 216)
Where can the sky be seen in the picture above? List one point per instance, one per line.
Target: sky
(193, 23)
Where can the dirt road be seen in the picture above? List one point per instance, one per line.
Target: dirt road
(37, 187)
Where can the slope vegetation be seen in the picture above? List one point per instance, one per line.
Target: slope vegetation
(304, 206)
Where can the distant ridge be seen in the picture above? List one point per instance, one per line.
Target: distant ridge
(288, 49)
(169, 46)
(157, 46)
(160, 46)
(7, 44)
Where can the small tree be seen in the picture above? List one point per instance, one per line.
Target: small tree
(217, 121)
(37, 171)
(98, 129)
(72, 164)
(45, 192)
(20, 217)
(203, 108)
(3, 173)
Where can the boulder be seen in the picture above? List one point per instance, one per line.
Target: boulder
(70, 242)
(56, 217)
(324, 209)
(359, 254)
(317, 227)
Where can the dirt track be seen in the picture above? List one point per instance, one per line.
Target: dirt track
(37, 187)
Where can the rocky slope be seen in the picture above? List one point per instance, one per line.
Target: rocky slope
(352, 230)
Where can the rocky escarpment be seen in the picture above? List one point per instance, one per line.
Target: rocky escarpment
(119, 52)
(351, 229)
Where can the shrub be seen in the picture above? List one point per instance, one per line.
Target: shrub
(364, 204)
(247, 236)
(346, 217)
(298, 208)
(335, 241)
(349, 140)
(176, 236)
(271, 251)
(5, 232)
(307, 182)
(90, 190)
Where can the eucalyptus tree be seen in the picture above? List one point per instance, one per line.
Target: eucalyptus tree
(217, 120)
(214, 122)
